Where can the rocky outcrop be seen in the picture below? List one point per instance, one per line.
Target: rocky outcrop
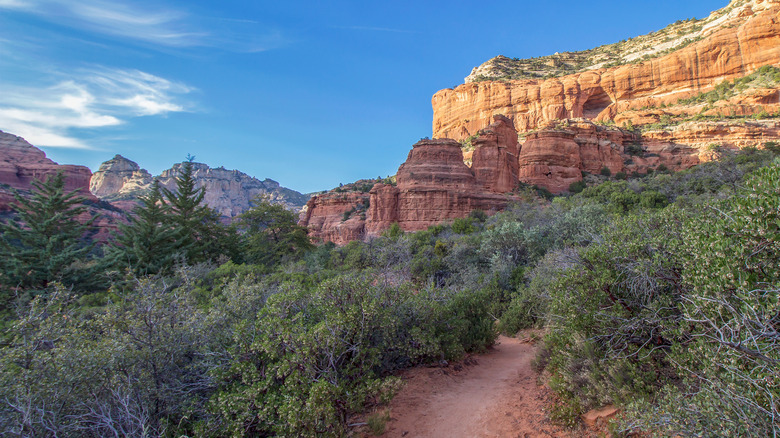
(743, 37)
(21, 163)
(331, 217)
(119, 177)
(433, 186)
(494, 160)
(557, 155)
(230, 192)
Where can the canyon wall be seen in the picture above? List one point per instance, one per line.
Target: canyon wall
(747, 40)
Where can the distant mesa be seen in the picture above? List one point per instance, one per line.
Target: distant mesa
(21, 163)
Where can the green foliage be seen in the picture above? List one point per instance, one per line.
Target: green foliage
(656, 294)
(270, 234)
(607, 310)
(605, 171)
(464, 226)
(317, 355)
(577, 186)
(197, 227)
(732, 264)
(149, 244)
(45, 243)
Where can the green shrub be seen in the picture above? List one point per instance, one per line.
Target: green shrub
(577, 186)
(605, 171)
(463, 225)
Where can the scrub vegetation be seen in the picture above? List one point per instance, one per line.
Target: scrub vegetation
(658, 294)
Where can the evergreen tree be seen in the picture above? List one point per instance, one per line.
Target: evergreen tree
(149, 243)
(46, 242)
(201, 235)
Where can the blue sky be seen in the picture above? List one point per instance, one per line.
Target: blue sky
(308, 93)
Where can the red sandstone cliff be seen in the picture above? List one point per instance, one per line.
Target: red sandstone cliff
(564, 143)
(21, 163)
(433, 186)
(736, 41)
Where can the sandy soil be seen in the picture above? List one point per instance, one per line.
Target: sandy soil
(490, 395)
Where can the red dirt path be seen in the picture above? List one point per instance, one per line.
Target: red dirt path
(491, 395)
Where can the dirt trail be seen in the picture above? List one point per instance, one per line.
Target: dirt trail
(494, 395)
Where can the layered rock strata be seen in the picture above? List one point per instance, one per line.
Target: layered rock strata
(433, 186)
(21, 163)
(557, 155)
(744, 39)
(119, 177)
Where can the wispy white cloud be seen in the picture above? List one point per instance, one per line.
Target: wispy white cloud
(149, 23)
(96, 98)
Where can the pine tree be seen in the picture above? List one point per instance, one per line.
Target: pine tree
(149, 243)
(46, 241)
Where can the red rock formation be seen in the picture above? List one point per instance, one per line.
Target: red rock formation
(21, 163)
(556, 156)
(433, 186)
(325, 216)
(550, 159)
(494, 160)
(735, 48)
(383, 209)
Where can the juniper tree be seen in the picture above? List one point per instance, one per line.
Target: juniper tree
(271, 233)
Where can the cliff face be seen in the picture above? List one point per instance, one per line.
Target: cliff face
(120, 181)
(230, 191)
(119, 177)
(21, 163)
(734, 42)
(558, 154)
(433, 186)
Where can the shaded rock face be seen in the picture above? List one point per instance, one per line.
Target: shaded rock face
(555, 157)
(735, 46)
(230, 192)
(494, 160)
(21, 163)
